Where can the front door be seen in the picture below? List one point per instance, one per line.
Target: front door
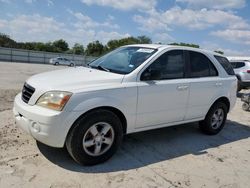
(163, 91)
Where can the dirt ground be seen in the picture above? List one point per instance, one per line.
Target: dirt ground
(170, 157)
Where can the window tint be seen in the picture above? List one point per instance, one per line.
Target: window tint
(201, 66)
(233, 64)
(237, 65)
(225, 64)
(213, 70)
(168, 66)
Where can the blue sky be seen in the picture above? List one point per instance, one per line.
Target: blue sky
(214, 25)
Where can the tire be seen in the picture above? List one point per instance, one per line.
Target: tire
(56, 63)
(208, 125)
(71, 65)
(81, 135)
(239, 88)
(245, 106)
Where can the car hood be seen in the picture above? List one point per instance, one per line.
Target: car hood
(74, 79)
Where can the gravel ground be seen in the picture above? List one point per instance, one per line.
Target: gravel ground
(177, 156)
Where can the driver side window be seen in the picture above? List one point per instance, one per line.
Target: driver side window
(170, 65)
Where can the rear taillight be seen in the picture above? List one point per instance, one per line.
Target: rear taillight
(248, 71)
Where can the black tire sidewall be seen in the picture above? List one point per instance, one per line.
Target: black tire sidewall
(206, 126)
(74, 141)
(245, 106)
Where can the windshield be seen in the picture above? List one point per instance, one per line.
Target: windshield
(123, 60)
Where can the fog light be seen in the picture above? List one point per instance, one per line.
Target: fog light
(36, 127)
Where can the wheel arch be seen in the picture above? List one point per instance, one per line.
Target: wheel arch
(223, 99)
(116, 111)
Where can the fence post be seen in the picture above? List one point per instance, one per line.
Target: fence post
(44, 59)
(29, 56)
(11, 55)
(84, 60)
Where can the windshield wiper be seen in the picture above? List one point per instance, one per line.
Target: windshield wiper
(102, 68)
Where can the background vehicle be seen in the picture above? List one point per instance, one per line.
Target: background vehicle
(246, 101)
(131, 89)
(242, 71)
(61, 61)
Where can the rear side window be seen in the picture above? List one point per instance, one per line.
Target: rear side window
(233, 64)
(201, 66)
(237, 65)
(225, 64)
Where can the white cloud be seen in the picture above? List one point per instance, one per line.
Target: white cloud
(163, 38)
(30, 28)
(50, 3)
(188, 18)
(227, 51)
(123, 4)
(5, 1)
(30, 1)
(234, 35)
(106, 36)
(214, 4)
(84, 21)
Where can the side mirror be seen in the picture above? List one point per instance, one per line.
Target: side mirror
(151, 74)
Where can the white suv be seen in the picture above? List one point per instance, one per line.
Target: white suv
(242, 72)
(133, 88)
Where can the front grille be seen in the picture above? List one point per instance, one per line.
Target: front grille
(27, 92)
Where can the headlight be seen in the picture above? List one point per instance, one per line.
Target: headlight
(54, 100)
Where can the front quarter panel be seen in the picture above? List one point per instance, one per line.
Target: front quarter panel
(123, 99)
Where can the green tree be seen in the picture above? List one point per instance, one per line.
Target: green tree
(113, 44)
(144, 39)
(6, 41)
(61, 45)
(185, 44)
(219, 52)
(95, 48)
(78, 49)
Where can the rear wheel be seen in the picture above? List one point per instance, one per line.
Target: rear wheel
(56, 63)
(95, 137)
(215, 119)
(239, 88)
(71, 64)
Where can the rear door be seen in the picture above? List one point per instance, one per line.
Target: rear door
(204, 83)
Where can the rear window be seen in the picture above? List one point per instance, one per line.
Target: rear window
(225, 64)
(237, 65)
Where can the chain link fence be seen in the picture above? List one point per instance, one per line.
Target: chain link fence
(41, 57)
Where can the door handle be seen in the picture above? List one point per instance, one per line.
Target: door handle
(218, 84)
(183, 87)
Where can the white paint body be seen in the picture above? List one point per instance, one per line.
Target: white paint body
(145, 105)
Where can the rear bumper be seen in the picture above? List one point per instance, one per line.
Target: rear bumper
(244, 84)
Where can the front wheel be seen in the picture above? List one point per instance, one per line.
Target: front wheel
(95, 137)
(215, 119)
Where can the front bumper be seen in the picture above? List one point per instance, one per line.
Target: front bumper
(47, 126)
